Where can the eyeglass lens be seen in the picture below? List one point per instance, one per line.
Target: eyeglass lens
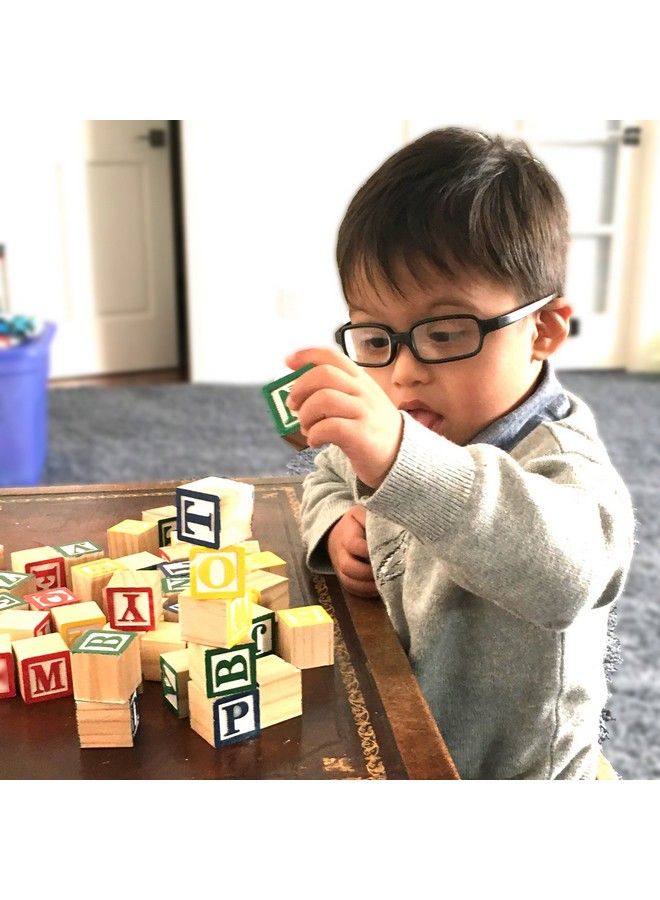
(434, 341)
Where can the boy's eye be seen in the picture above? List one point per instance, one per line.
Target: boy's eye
(375, 343)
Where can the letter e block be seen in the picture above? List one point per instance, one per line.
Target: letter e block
(44, 668)
(45, 563)
(217, 574)
(305, 637)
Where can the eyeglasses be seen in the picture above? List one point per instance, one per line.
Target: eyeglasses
(435, 340)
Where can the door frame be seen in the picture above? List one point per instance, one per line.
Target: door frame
(178, 223)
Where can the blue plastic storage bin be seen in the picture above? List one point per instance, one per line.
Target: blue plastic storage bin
(24, 410)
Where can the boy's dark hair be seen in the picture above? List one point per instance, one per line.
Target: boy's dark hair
(467, 204)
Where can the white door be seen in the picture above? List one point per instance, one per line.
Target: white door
(87, 223)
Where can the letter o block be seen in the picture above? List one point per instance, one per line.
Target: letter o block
(217, 574)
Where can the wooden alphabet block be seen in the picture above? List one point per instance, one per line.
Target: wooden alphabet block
(107, 724)
(165, 517)
(179, 568)
(44, 601)
(280, 690)
(224, 720)
(132, 536)
(137, 562)
(171, 609)
(105, 665)
(72, 621)
(214, 512)
(175, 675)
(250, 546)
(43, 665)
(7, 678)
(305, 637)
(220, 671)
(164, 639)
(175, 552)
(171, 588)
(8, 601)
(133, 600)
(77, 553)
(263, 629)
(18, 584)
(217, 623)
(45, 563)
(217, 574)
(266, 561)
(276, 394)
(268, 589)
(89, 579)
(23, 623)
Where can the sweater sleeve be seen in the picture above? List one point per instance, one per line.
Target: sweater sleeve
(327, 495)
(543, 538)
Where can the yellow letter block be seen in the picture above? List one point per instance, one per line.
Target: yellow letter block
(217, 623)
(89, 579)
(217, 574)
(305, 637)
(72, 621)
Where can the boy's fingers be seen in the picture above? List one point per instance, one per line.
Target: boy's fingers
(357, 546)
(320, 355)
(322, 377)
(359, 588)
(360, 571)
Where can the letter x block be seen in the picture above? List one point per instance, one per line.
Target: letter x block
(44, 668)
(175, 675)
(214, 512)
(7, 680)
(276, 395)
(18, 584)
(72, 621)
(217, 574)
(217, 623)
(220, 671)
(305, 637)
(224, 720)
(133, 600)
(77, 553)
(45, 563)
(105, 665)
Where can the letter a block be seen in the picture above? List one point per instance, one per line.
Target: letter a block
(175, 675)
(45, 563)
(214, 512)
(216, 623)
(72, 621)
(44, 668)
(305, 637)
(276, 395)
(105, 666)
(263, 630)
(76, 554)
(133, 600)
(7, 680)
(217, 574)
(225, 720)
(221, 671)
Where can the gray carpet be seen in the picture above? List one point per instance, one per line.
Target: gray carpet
(183, 431)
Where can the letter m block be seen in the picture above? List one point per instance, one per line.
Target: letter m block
(44, 668)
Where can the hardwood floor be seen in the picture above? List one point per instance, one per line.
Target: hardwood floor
(124, 379)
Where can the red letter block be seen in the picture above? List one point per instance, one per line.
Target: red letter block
(44, 668)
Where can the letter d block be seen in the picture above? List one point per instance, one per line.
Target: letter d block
(222, 671)
(44, 668)
(225, 720)
(7, 680)
(217, 574)
(105, 666)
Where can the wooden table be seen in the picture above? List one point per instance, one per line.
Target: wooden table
(363, 718)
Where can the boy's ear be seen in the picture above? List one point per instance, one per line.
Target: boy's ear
(551, 326)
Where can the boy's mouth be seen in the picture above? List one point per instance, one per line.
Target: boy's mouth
(423, 414)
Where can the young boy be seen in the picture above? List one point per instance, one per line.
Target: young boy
(462, 483)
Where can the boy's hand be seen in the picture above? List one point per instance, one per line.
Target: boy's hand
(338, 403)
(347, 548)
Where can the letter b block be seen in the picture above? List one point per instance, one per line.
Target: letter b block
(105, 666)
(222, 671)
(44, 668)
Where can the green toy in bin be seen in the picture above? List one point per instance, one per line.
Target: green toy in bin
(24, 409)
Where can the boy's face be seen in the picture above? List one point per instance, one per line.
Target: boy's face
(459, 398)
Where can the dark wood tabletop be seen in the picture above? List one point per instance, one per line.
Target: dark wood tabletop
(363, 718)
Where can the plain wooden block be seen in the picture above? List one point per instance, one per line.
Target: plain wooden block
(43, 666)
(107, 724)
(44, 601)
(268, 589)
(132, 536)
(77, 553)
(220, 671)
(106, 665)
(45, 563)
(165, 517)
(224, 720)
(7, 676)
(72, 621)
(24, 623)
(276, 394)
(18, 584)
(263, 630)
(214, 512)
(133, 601)
(305, 637)
(8, 601)
(217, 574)
(90, 578)
(280, 690)
(175, 675)
(217, 623)
(139, 561)
(164, 639)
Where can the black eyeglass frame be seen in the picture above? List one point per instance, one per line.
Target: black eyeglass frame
(397, 338)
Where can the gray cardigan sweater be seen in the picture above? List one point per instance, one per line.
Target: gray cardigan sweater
(498, 563)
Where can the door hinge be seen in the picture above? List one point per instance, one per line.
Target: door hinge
(632, 136)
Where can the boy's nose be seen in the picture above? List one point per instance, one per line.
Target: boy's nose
(408, 370)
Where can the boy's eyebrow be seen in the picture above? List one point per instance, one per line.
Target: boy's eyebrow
(438, 301)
